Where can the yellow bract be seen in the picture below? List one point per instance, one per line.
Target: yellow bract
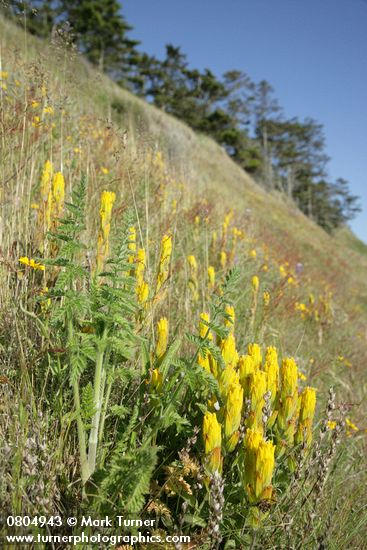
(306, 414)
(142, 288)
(266, 298)
(58, 194)
(229, 352)
(131, 243)
(288, 402)
(232, 416)
(223, 259)
(271, 368)
(259, 465)
(255, 283)
(257, 390)
(228, 377)
(164, 261)
(246, 367)
(212, 435)
(107, 200)
(162, 339)
(254, 351)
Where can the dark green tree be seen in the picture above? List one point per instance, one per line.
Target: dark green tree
(101, 33)
(266, 111)
(240, 99)
(37, 16)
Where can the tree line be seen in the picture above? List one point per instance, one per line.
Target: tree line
(243, 116)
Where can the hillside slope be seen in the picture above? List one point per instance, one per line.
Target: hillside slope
(169, 181)
(202, 163)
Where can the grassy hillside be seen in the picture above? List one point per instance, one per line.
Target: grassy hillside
(308, 298)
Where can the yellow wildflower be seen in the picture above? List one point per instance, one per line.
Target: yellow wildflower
(46, 179)
(228, 349)
(131, 243)
(142, 292)
(271, 368)
(259, 465)
(350, 425)
(255, 283)
(255, 351)
(204, 361)
(164, 261)
(212, 435)
(58, 194)
(107, 201)
(266, 298)
(162, 340)
(156, 380)
(306, 414)
(228, 377)
(142, 288)
(257, 390)
(31, 263)
(287, 413)
(253, 253)
(211, 277)
(246, 367)
(331, 424)
(232, 416)
(223, 259)
(140, 262)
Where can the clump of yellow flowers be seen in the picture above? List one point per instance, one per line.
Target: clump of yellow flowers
(164, 261)
(156, 380)
(142, 288)
(31, 263)
(261, 400)
(52, 197)
(107, 200)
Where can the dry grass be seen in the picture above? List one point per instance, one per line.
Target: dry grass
(98, 125)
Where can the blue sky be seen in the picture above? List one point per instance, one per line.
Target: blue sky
(313, 52)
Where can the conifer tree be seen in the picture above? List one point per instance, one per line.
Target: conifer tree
(101, 33)
(37, 16)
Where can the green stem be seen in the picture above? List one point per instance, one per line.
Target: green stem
(104, 409)
(81, 435)
(79, 421)
(98, 383)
